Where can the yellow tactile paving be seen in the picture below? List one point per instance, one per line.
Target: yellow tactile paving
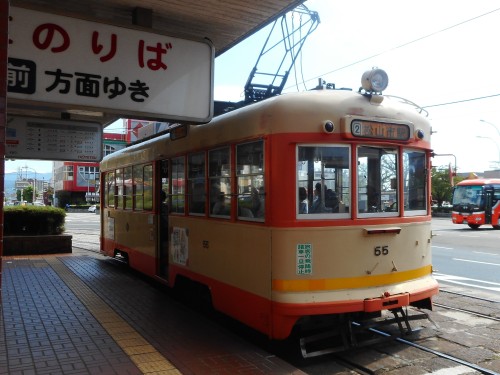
(135, 350)
(134, 341)
(117, 324)
(149, 357)
(144, 355)
(152, 367)
(124, 335)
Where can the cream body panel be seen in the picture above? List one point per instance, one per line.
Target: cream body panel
(349, 253)
(135, 230)
(236, 254)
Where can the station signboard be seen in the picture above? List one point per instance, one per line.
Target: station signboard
(48, 139)
(66, 62)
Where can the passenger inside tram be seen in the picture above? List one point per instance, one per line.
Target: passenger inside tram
(303, 203)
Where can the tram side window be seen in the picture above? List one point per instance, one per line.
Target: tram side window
(414, 181)
(219, 172)
(165, 186)
(196, 183)
(127, 188)
(377, 180)
(138, 187)
(119, 188)
(148, 187)
(110, 189)
(178, 185)
(250, 180)
(323, 179)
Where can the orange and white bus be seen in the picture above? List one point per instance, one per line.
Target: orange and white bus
(476, 202)
(300, 210)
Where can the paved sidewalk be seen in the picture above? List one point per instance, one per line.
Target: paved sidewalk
(84, 314)
(85, 241)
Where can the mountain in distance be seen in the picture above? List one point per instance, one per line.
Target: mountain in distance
(10, 180)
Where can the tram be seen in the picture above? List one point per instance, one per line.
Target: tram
(476, 202)
(292, 212)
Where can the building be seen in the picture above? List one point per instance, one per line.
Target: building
(77, 183)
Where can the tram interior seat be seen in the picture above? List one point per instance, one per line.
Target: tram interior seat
(331, 200)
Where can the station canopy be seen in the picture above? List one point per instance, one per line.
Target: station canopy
(224, 23)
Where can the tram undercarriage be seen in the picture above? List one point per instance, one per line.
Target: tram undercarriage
(355, 331)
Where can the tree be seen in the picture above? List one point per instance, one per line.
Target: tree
(48, 195)
(28, 194)
(442, 190)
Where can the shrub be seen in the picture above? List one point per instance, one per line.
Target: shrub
(33, 220)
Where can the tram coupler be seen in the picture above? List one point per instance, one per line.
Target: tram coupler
(404, 317)
(401, 318)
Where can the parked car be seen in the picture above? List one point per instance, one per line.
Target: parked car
(93, 208)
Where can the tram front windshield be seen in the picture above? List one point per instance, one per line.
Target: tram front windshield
(469, 196)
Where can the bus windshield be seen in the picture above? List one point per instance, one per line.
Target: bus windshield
(468, 197)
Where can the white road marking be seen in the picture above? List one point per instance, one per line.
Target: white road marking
(476, 261)
(458, 280)
(482, 252)
(459, 370)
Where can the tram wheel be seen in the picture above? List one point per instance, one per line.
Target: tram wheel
(193, 294)
(496, 227)
(474, 226)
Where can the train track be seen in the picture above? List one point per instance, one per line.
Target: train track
(475, 313)
(385, 359)
(470, 296)
(392, 356)
(437, 353)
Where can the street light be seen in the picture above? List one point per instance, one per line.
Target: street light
(496, 144)
(494, 126)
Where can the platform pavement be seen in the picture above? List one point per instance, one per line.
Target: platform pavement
(82, 314)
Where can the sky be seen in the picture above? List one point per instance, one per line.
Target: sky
(437, 54)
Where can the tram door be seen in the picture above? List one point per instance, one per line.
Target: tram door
(488, 203)
(162, 246)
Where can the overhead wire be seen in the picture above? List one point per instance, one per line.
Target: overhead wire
(461, 101)
(411, 42)
(304, 81)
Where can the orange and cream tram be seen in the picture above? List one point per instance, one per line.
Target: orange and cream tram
(292, 211)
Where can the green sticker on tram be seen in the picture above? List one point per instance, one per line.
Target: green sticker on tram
(304, 259)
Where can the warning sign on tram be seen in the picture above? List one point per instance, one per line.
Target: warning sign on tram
(73, 63)
(304, 259)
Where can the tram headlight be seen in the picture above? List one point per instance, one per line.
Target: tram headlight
(419, 133)
(328, 126)
(375, 80)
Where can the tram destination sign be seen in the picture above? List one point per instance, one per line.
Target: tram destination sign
(76, 64)
(49, 139)
(380, 130)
